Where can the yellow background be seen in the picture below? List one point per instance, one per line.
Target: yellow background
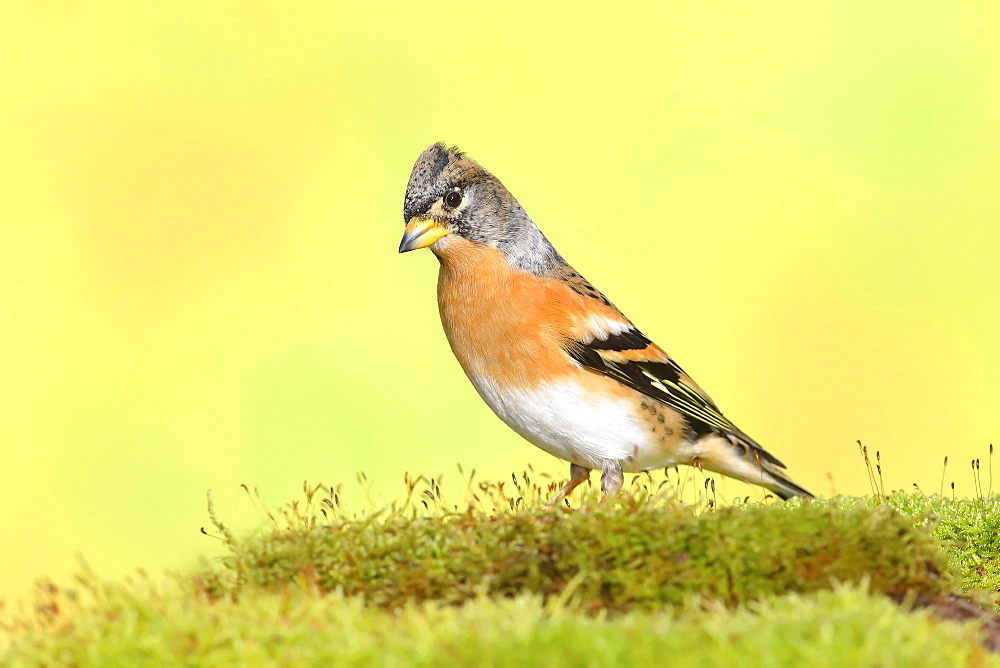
(200, 205)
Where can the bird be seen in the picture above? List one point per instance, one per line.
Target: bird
(550, 354)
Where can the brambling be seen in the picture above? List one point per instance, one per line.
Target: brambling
(550, 354)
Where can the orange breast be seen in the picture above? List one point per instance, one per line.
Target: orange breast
(508, 330)
(502, 323)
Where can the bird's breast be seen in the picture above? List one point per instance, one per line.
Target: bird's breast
(508, 330)
(500, 322)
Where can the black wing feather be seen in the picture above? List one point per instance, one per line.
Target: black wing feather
(662, 381)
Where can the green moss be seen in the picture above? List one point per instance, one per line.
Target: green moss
(640, 580)
(970, 531)
(618, 558)
(138, 625)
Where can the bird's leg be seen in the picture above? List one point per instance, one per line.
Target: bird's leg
(611, 480)
(577, 475)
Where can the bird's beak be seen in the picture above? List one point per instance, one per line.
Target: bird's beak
(421, 233)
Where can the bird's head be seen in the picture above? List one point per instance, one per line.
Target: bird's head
(451, 196)
(448, 193)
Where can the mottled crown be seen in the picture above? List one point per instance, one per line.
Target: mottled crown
(437, 169)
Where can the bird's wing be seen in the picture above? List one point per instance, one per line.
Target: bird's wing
(614, 347)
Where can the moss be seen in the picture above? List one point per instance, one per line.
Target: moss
(970, 533)
(140, 625)
(617, 558)
(502, 583)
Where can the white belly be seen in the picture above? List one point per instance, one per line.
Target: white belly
(576, 428)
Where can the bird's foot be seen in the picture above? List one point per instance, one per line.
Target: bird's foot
(577, 475)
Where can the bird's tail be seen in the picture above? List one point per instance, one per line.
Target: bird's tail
(782, 485)
(740, 457)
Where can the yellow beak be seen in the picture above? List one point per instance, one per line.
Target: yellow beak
(421, 233)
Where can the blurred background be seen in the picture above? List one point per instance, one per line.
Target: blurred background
(200, 205)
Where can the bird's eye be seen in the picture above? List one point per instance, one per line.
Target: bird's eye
(453, 199)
